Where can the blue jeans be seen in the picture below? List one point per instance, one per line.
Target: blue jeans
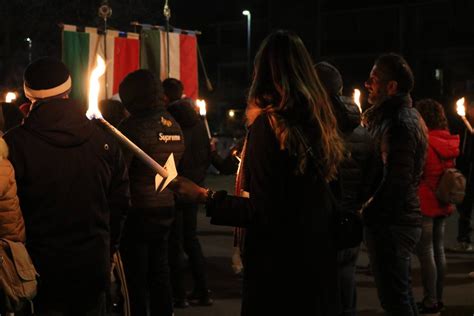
(389, 249)
(346, 262)
(430, 251)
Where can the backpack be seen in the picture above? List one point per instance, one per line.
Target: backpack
(18, 276)
(451, 187)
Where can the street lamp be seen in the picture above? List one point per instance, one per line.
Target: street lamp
(30, 44)
(249, 18)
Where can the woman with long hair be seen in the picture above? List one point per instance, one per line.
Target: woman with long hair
(443, 149)
(289, 254)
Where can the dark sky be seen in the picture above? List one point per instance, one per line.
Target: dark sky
(432, 34)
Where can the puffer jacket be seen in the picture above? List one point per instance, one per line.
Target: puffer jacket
(197, 154)
(12, 225)
(443, 149)
(401, 140)
(358, 170)
(158, 134)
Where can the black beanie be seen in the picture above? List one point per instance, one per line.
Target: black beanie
(330, 77)
(140, 90)
(45, 78)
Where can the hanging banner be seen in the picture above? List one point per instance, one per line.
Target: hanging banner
(126, 52)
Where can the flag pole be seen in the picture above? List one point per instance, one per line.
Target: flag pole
(167, 14)
(105, 12)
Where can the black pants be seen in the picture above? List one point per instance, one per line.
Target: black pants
(147, 272)
(96, 309)
(184, 237)
(465, 214)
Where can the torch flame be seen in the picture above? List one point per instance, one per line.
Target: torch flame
(202, 106)
(94, 88)
(10, 97)
(460, 108)
(356, 97)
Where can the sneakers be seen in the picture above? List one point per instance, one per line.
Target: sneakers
(181, 303)
(200, 298)
(461, 247)
(425, 310)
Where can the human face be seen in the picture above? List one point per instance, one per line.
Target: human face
(376, 86)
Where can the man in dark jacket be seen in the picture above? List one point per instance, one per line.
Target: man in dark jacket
(356, 174)
(146, 232)
(193, 165)
(74, 194)
(393, 217)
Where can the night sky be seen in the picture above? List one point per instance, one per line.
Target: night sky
(432, 35)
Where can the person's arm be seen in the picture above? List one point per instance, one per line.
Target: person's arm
(118, 199)
(398, 153)
(265, 183)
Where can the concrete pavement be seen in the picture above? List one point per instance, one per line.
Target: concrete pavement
(217, 245)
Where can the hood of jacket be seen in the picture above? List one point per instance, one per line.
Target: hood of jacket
(347, 113)
(60, 122)
(444, 144)
(183, 112)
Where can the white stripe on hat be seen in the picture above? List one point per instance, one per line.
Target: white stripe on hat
(47, 93)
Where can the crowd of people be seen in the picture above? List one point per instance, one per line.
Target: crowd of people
(82, 197)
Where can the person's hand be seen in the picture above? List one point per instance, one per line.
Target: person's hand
(188, 190)
(214, 142)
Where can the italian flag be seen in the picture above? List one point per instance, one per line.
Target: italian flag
(125, 53)
(182, 57)
(121, 52)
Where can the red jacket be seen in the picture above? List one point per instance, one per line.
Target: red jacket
(442, 150)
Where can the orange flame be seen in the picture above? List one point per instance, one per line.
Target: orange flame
(94, 88)
(460, 108)
(202, 107)
(356, 97)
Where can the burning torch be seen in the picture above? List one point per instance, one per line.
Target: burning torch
(461, 110)
(356, 97)
(202, 111)
(164, 174)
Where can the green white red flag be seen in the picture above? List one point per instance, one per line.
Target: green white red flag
(126, 52)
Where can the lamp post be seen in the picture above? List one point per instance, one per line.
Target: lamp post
(30, 44)
(249, 19)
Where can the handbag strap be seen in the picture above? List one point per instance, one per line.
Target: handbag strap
(309, 151)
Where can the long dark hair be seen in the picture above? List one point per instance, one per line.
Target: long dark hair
(286, 85)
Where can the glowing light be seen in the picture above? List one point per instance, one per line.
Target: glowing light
(201, 104)
(460, 108)
(94, 88)
(246, 12)
(356, 97)
(231, 113)
(10, 97)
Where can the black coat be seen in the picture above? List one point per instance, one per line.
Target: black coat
(156, 132)
(74, 194)
(359, 169)
(197, 154)
(401, 138)
(289, 259)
